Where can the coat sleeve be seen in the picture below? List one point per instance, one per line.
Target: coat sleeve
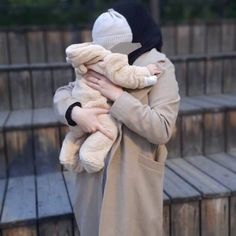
(62, 99)
(154, 121)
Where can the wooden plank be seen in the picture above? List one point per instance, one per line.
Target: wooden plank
(213, 38)
(207, 186)
(181, 76)
(183, 39)
(215, 217)
(214, 170)
(56, 227)
(20, 90)
(70, 37)
(225, 160)
(185, 219)
(198, 38)
(86, 35)
(221, 100)
(44, 117)
(214, 130)
(177, 189)
(19, 146)
(20, 205)
(46, 150)
(187, 108)
(3, 185)
(174, 145)
(42, 88)
(54, 46)
(205, 105)
(184, 206)
(169, 43)
(46, 141)
(232, 219)
(192, 135)
(214, 69)
(3, 165)
(231, 130)
(228, 36)
(62, 77)
(36, 46)
(214, 206)
(18, 48)
(195, 79)
(3, 118)
(4, 56)
(20, 230)
(19, 119)
(229, 82)
(19, 152)
(4, 92)
(54, 210)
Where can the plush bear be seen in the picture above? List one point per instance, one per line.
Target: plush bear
(82, 151)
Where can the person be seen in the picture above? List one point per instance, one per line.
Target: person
(89, 154)
(126, 196)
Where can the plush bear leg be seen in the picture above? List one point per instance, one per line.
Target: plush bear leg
(69, 157)
(95, 148)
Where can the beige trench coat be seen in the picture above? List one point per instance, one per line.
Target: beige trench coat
(126, 197)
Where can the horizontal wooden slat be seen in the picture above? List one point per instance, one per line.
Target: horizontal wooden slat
(225, 160)
(177, 189)
(20, 202)
(53, 200)
(207, 186)
(214, 170)
(44, 117)
(3, 118)
(19, 119)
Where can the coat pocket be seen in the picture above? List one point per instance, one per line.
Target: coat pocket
(151, 164)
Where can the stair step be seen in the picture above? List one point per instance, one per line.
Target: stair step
(214, 170)
(212, 207)
(206, 125)
(208, 187)
(33, 202)
(194, 188)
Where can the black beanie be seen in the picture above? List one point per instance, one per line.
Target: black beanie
(144, 28)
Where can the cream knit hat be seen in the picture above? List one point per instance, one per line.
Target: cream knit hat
(111, 28)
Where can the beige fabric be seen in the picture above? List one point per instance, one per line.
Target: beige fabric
(78, 152)
(126, 197)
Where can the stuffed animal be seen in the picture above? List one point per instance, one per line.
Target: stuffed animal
(82, 151)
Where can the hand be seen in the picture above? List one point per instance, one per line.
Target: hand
(87, 120)
(103, 85)
(153, 69)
